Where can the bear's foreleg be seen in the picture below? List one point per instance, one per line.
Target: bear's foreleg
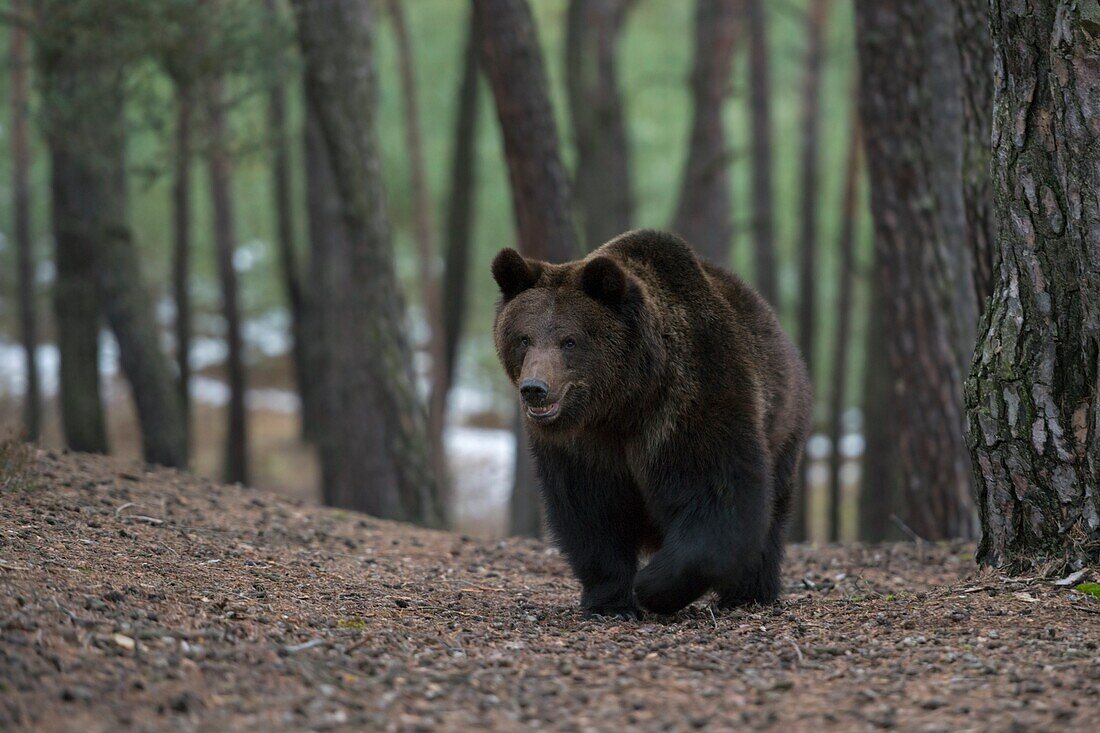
(596, 518)
(716, 522)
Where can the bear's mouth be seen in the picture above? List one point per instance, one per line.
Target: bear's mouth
(544, 413)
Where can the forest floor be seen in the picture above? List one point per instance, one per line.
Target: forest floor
(145, 600)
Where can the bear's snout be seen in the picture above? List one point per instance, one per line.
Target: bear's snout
(534, 391)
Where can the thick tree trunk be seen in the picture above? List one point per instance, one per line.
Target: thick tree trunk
(460, 219)
(849, 215)
(602, 184)
(181, 252)
(767, 277)
(379, 455)
(512, 60)
(975, 49)
(1034, 391)
(225, 243)
(807, 273)
(703, 215)
(283, 192)
(904, 93)
(21, 215)
(424, 233)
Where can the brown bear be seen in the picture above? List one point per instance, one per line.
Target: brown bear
(667, 413)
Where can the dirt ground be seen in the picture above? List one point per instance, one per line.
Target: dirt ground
(135, 600)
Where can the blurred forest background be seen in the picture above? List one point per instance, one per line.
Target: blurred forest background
(747, 107)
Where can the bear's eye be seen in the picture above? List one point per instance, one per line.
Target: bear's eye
(569, 343)
(524, 341)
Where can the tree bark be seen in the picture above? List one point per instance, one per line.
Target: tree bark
(460, 219)
(849, 215)
(703, 215)
(1033, 396)
(512, 60)
(379, 455)
(181, 251)
(767, 277)
(602, 184)
(904, 91)
(424, 233)
(807, 274)
(21, 215)
(220, 168)
(283, 201)
(975, 49)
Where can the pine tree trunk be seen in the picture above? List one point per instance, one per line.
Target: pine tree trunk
(703, 215)
(77, 307)
(1034, 392)
(424, 233)
(21, 216)
(181, 253)
(76, 299)
(602, 184)
(905, 91)
(975, 49)
(460, 219)
(225, 243)
(283, 202)
(512, 60)
(807, 274)
(379, 454)
(767, 277)
(849, 215)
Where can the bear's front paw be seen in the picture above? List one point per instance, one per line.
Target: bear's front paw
(628, 612)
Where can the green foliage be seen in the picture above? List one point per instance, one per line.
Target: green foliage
(1092, 589)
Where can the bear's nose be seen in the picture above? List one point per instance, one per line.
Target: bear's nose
(534, 390)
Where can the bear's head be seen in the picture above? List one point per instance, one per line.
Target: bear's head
(568, 337)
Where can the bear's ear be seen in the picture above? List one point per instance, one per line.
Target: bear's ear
(513, 273)
(602, 279)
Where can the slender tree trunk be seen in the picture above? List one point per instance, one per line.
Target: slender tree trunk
(225, 243)
(975, 49)
(181, 255)
(602, 184)
(424, 232)
(807, 273)
(384, 463)
(703, 216)
(21, 214)
(77, 306)
(849, 216)
(460, 219)
(1034, 390)
(767, 277)
(284, 226)
(512, 60)
(904, 92)
(76, 296)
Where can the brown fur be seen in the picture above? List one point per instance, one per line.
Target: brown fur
(682, 412)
